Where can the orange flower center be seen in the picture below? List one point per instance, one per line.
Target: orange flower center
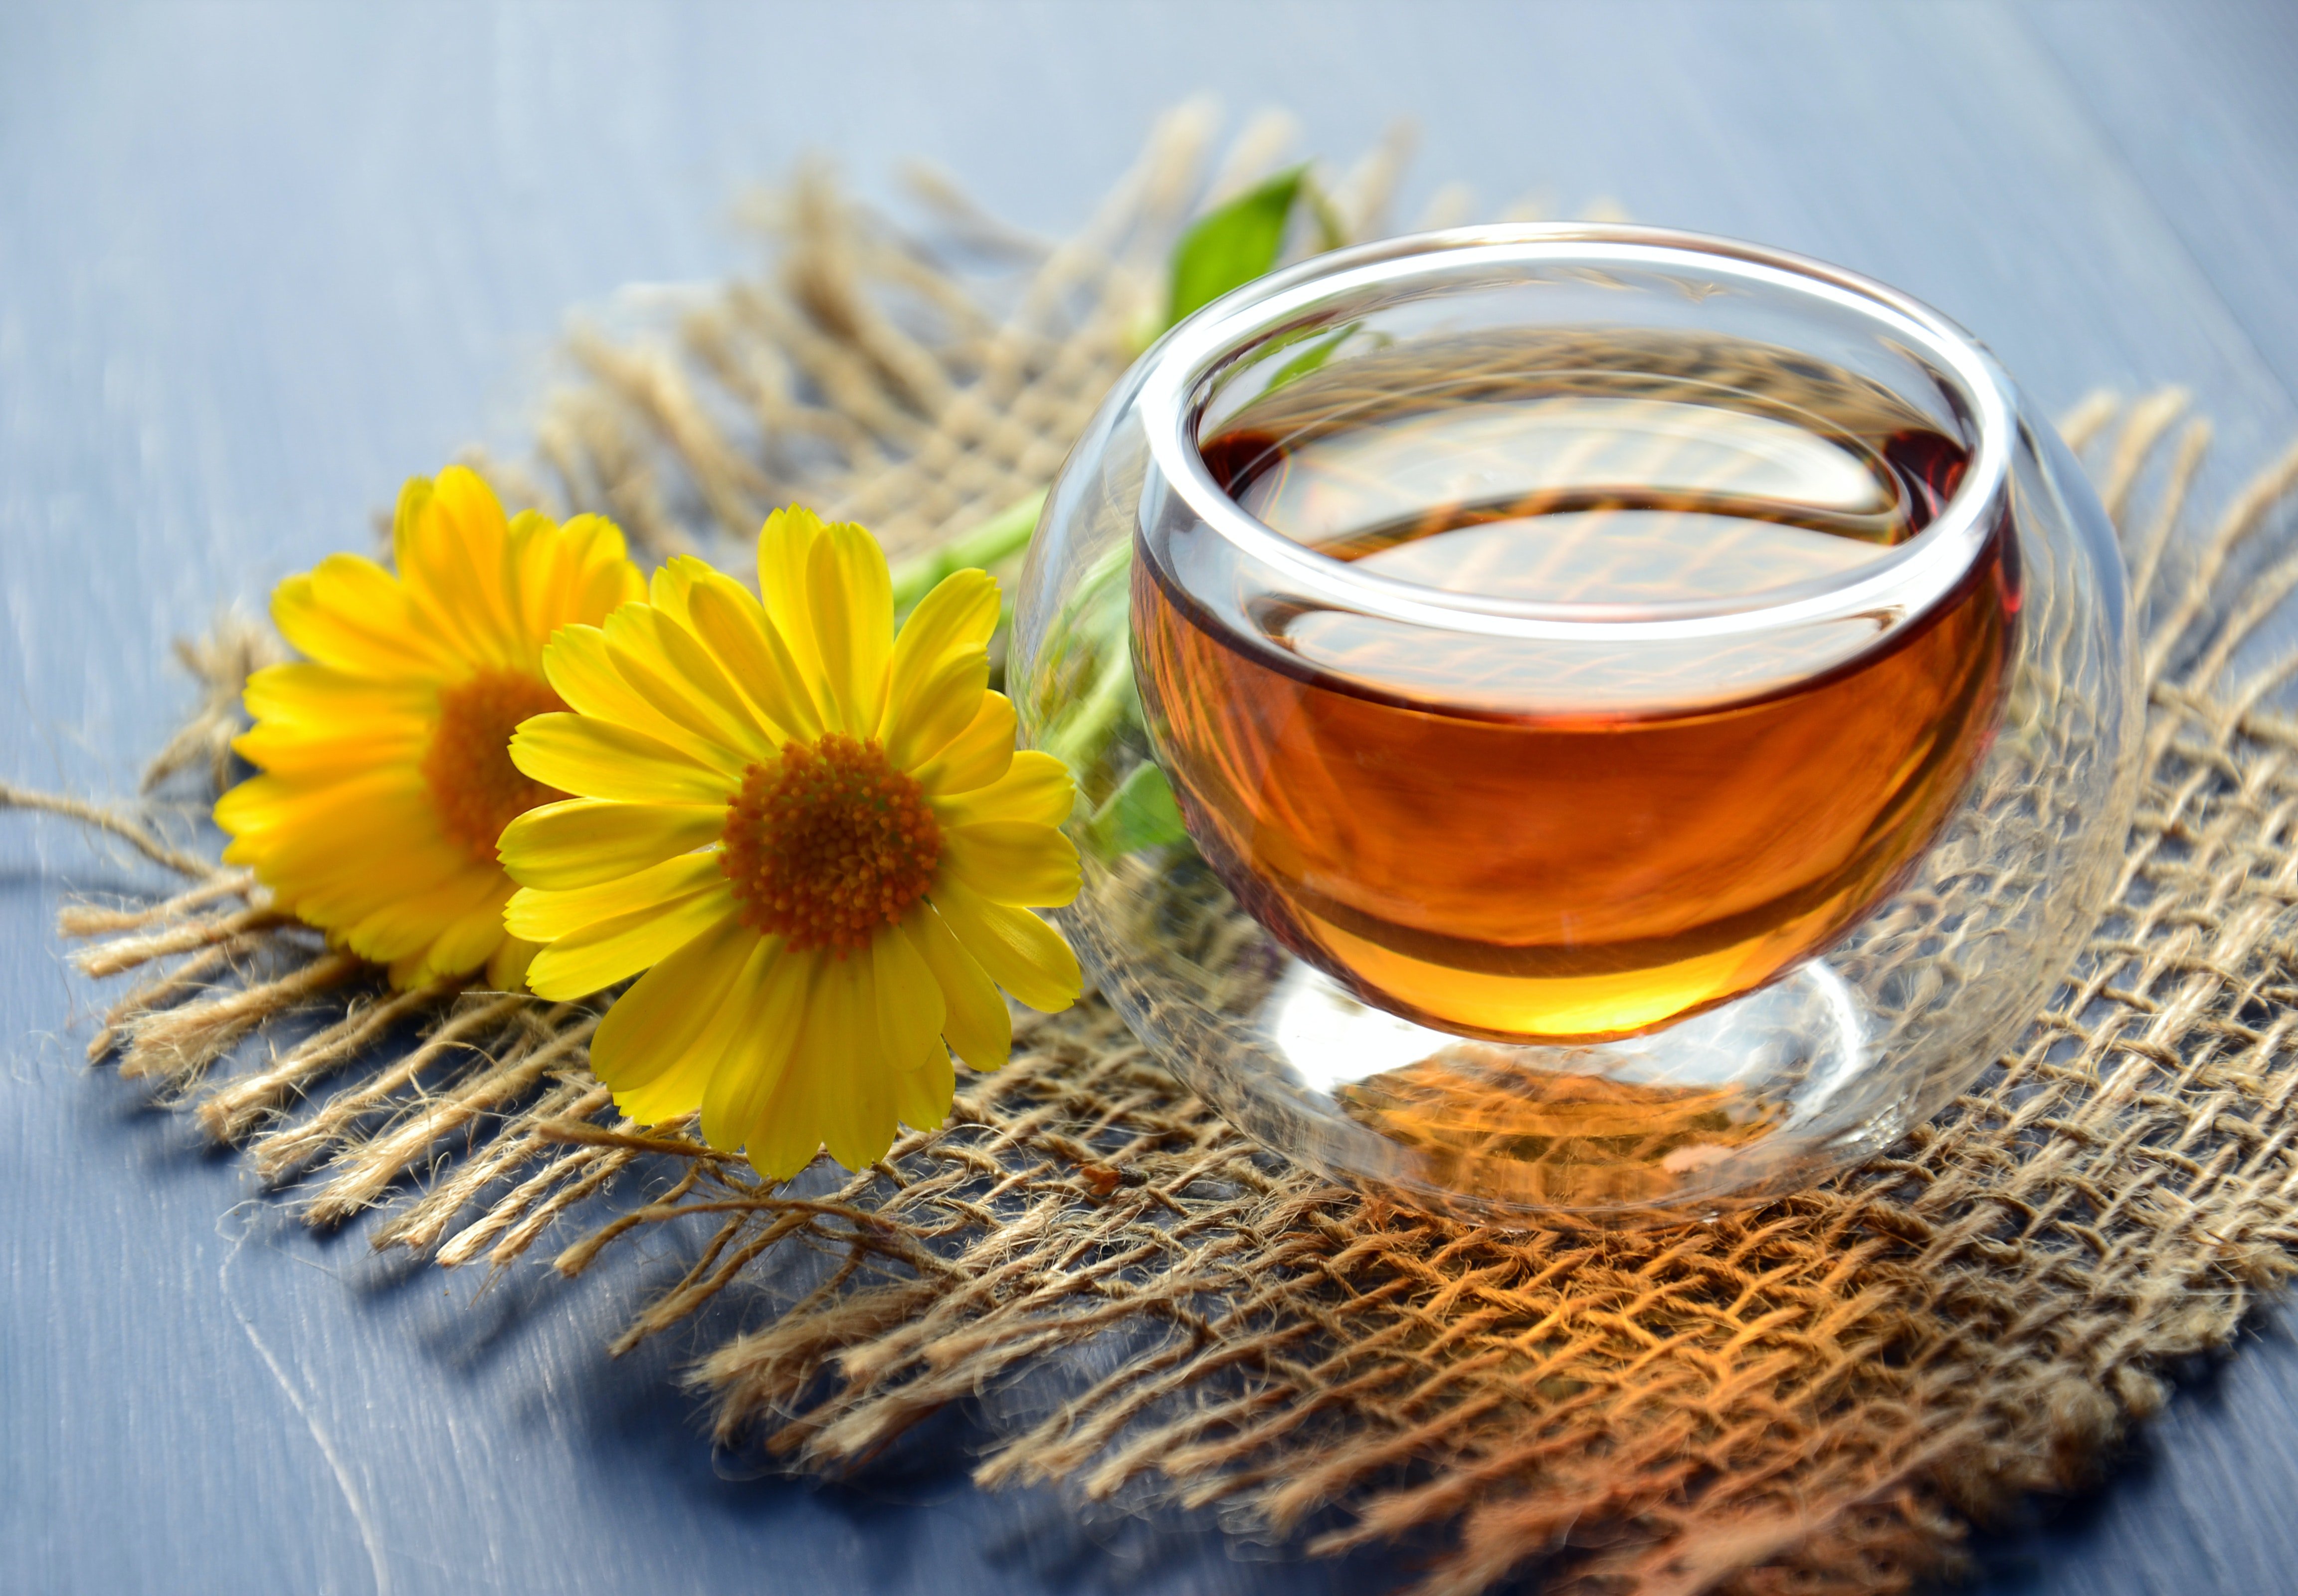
(477, 789)
(828, 844)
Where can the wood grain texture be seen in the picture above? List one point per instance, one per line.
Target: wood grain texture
(258, 262)
(2205, 118)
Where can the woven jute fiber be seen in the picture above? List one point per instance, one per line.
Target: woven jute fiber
(1815, 1395)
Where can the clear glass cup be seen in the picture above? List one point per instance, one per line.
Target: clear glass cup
(1577, 723)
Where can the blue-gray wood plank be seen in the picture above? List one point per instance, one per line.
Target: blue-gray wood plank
(260, 262)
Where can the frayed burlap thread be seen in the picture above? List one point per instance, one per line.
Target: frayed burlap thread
(1817, 1395)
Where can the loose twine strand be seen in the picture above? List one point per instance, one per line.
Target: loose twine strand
(1814, 1396)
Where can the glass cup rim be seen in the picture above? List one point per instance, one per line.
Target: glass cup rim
(1178, 373)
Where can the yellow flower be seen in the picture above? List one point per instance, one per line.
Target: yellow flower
(815, 837)
(385, 753)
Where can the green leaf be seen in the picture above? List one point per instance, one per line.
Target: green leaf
(1309, 359)
(1228, 247)
(1142, 813)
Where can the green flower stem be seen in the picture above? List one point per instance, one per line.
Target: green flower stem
(1084, 734)
(999, 538)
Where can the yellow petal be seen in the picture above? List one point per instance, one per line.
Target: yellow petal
(352, 748)
(466, 538)
(347, 887)
(635, 639)
(585, 841)
(544, 570)
(642, 1048)
(668, 588)
(1037, 787)
(921, 1095)
(735, 628)
(785, 552)
(911, 1009)
(468, 942)
(507, 970)
(601, 953)
(1021, 953)
(321, 699)
(338, 858)
(414, 494)
(708, 680)
(1016, 862)
(980, 755)
(785, 1131)
(262, 805)
(608, 583)
(785, 1138)
(960, 613)
(977, 1022)
(596, 758)
(576, 664)
(956, 618)
(943, 705)
(453, 558)
(857, 1108)
(577, 573)
(774, 998)
(401, 923)
(545, 916)
(852, 595)
(350, 614)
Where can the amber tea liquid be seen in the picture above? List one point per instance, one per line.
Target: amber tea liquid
(1592, 841)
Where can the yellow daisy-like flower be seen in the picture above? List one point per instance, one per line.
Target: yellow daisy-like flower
(385, 753)
(815, 837)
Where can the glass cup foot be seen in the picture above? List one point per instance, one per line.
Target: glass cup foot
(1729, 1099)
(1755, 1097)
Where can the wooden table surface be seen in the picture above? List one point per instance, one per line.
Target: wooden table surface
(260, 262)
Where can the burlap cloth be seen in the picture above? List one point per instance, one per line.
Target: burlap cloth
(1817, 1395)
